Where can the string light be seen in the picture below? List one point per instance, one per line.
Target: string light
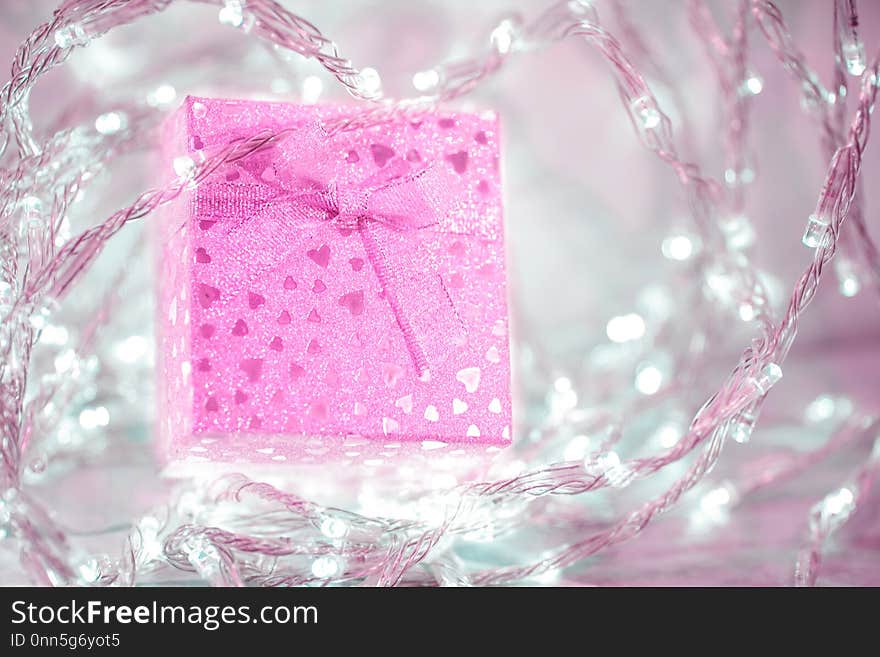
(425, 81)
(625, 328)
(747, 312)
(326, 567)
(609, 466)
(504, 37)
(645, 113)
(716, 499)
(369, 82)
(334, 528)
(312, 88)
(92, 418)
(162, 96)
(743, 425)
(39, 318)
(110, 123)
(848, 279)
(581, 8)
(70, 36)
(648, 379)
(577, 448)
(678, 247)
(54, 335)
(653, 373)
(668, 434)
(734, 178)
(752, 85)
(852, 50)
(655, 304)
(232, 13)
(738, 232)
(827, 407)
(184, 166)
(769, 376)
(131, 349)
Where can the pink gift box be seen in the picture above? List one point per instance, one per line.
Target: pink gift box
(334, 294)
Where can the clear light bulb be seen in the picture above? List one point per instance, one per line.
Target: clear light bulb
(768, 377)
(625, 328)
(668, 434)
(581, 8)
(110, 123)
(609, 465)
(853, 53)
(811, 96)
(852, 49)
(92, 570)
(54, 335)
(334, 528)
(840, 501)
(655, 371)
(820, 409)
(31, 205)
(31, 215)
(326, 567)
(743, 425)
(7, 298)
(577, 448)
(649, 379)
(150, 545)
(679, 246)
(833, 511)
(67, 363)
(827, 407)
(725, 283)
(369, 82)
(40, 317)
(718, 498)
(734, 178)
(815, 233)
(201, 554)
(232, 13)
(504, 37)
(184, 167)
(752, 85)
(71, 35)
(655, 303)
(312, 88)
(848, 280)
(425, 81)
(738, 232)
(645, 113)
(563, 396)
(162, 96)
(747, 311)
(5, 518)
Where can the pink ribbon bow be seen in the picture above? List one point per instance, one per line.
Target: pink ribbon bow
(299, 187)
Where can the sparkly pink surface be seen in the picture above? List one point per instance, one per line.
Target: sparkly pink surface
(296, 331)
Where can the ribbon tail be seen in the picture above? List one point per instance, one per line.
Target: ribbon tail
(414, 288)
